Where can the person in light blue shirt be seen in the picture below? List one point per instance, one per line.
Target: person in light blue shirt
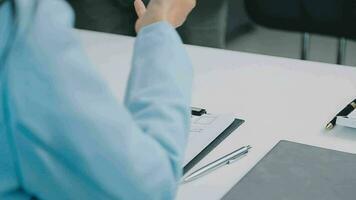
(63, 135)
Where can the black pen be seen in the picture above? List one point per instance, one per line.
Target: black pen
(344, 112)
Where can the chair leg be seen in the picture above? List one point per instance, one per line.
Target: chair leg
(341, 52)
(304, 54)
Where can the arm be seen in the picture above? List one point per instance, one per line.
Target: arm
(73, 140)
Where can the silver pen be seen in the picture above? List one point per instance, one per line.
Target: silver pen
(227, 159)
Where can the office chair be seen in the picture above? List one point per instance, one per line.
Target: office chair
(335, 18)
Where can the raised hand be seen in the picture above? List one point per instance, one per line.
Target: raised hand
(173, 11)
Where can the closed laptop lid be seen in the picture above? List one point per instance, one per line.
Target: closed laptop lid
(293, 171)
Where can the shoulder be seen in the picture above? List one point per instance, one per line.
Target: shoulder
(40, 13)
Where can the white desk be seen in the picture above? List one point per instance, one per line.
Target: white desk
(279, 98)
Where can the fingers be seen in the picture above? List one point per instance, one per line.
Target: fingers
(140, 8)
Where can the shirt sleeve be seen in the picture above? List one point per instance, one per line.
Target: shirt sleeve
(71, 138)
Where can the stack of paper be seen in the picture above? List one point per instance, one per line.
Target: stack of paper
(349, 121)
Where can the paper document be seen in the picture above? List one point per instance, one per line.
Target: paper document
(349, 121)
(204, 129)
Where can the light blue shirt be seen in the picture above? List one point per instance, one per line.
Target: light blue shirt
(63, 135)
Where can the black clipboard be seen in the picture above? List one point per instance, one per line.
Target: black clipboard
(221, 137)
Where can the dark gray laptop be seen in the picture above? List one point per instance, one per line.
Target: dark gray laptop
(292, 171)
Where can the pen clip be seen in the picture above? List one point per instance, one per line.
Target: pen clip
(237, 157)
